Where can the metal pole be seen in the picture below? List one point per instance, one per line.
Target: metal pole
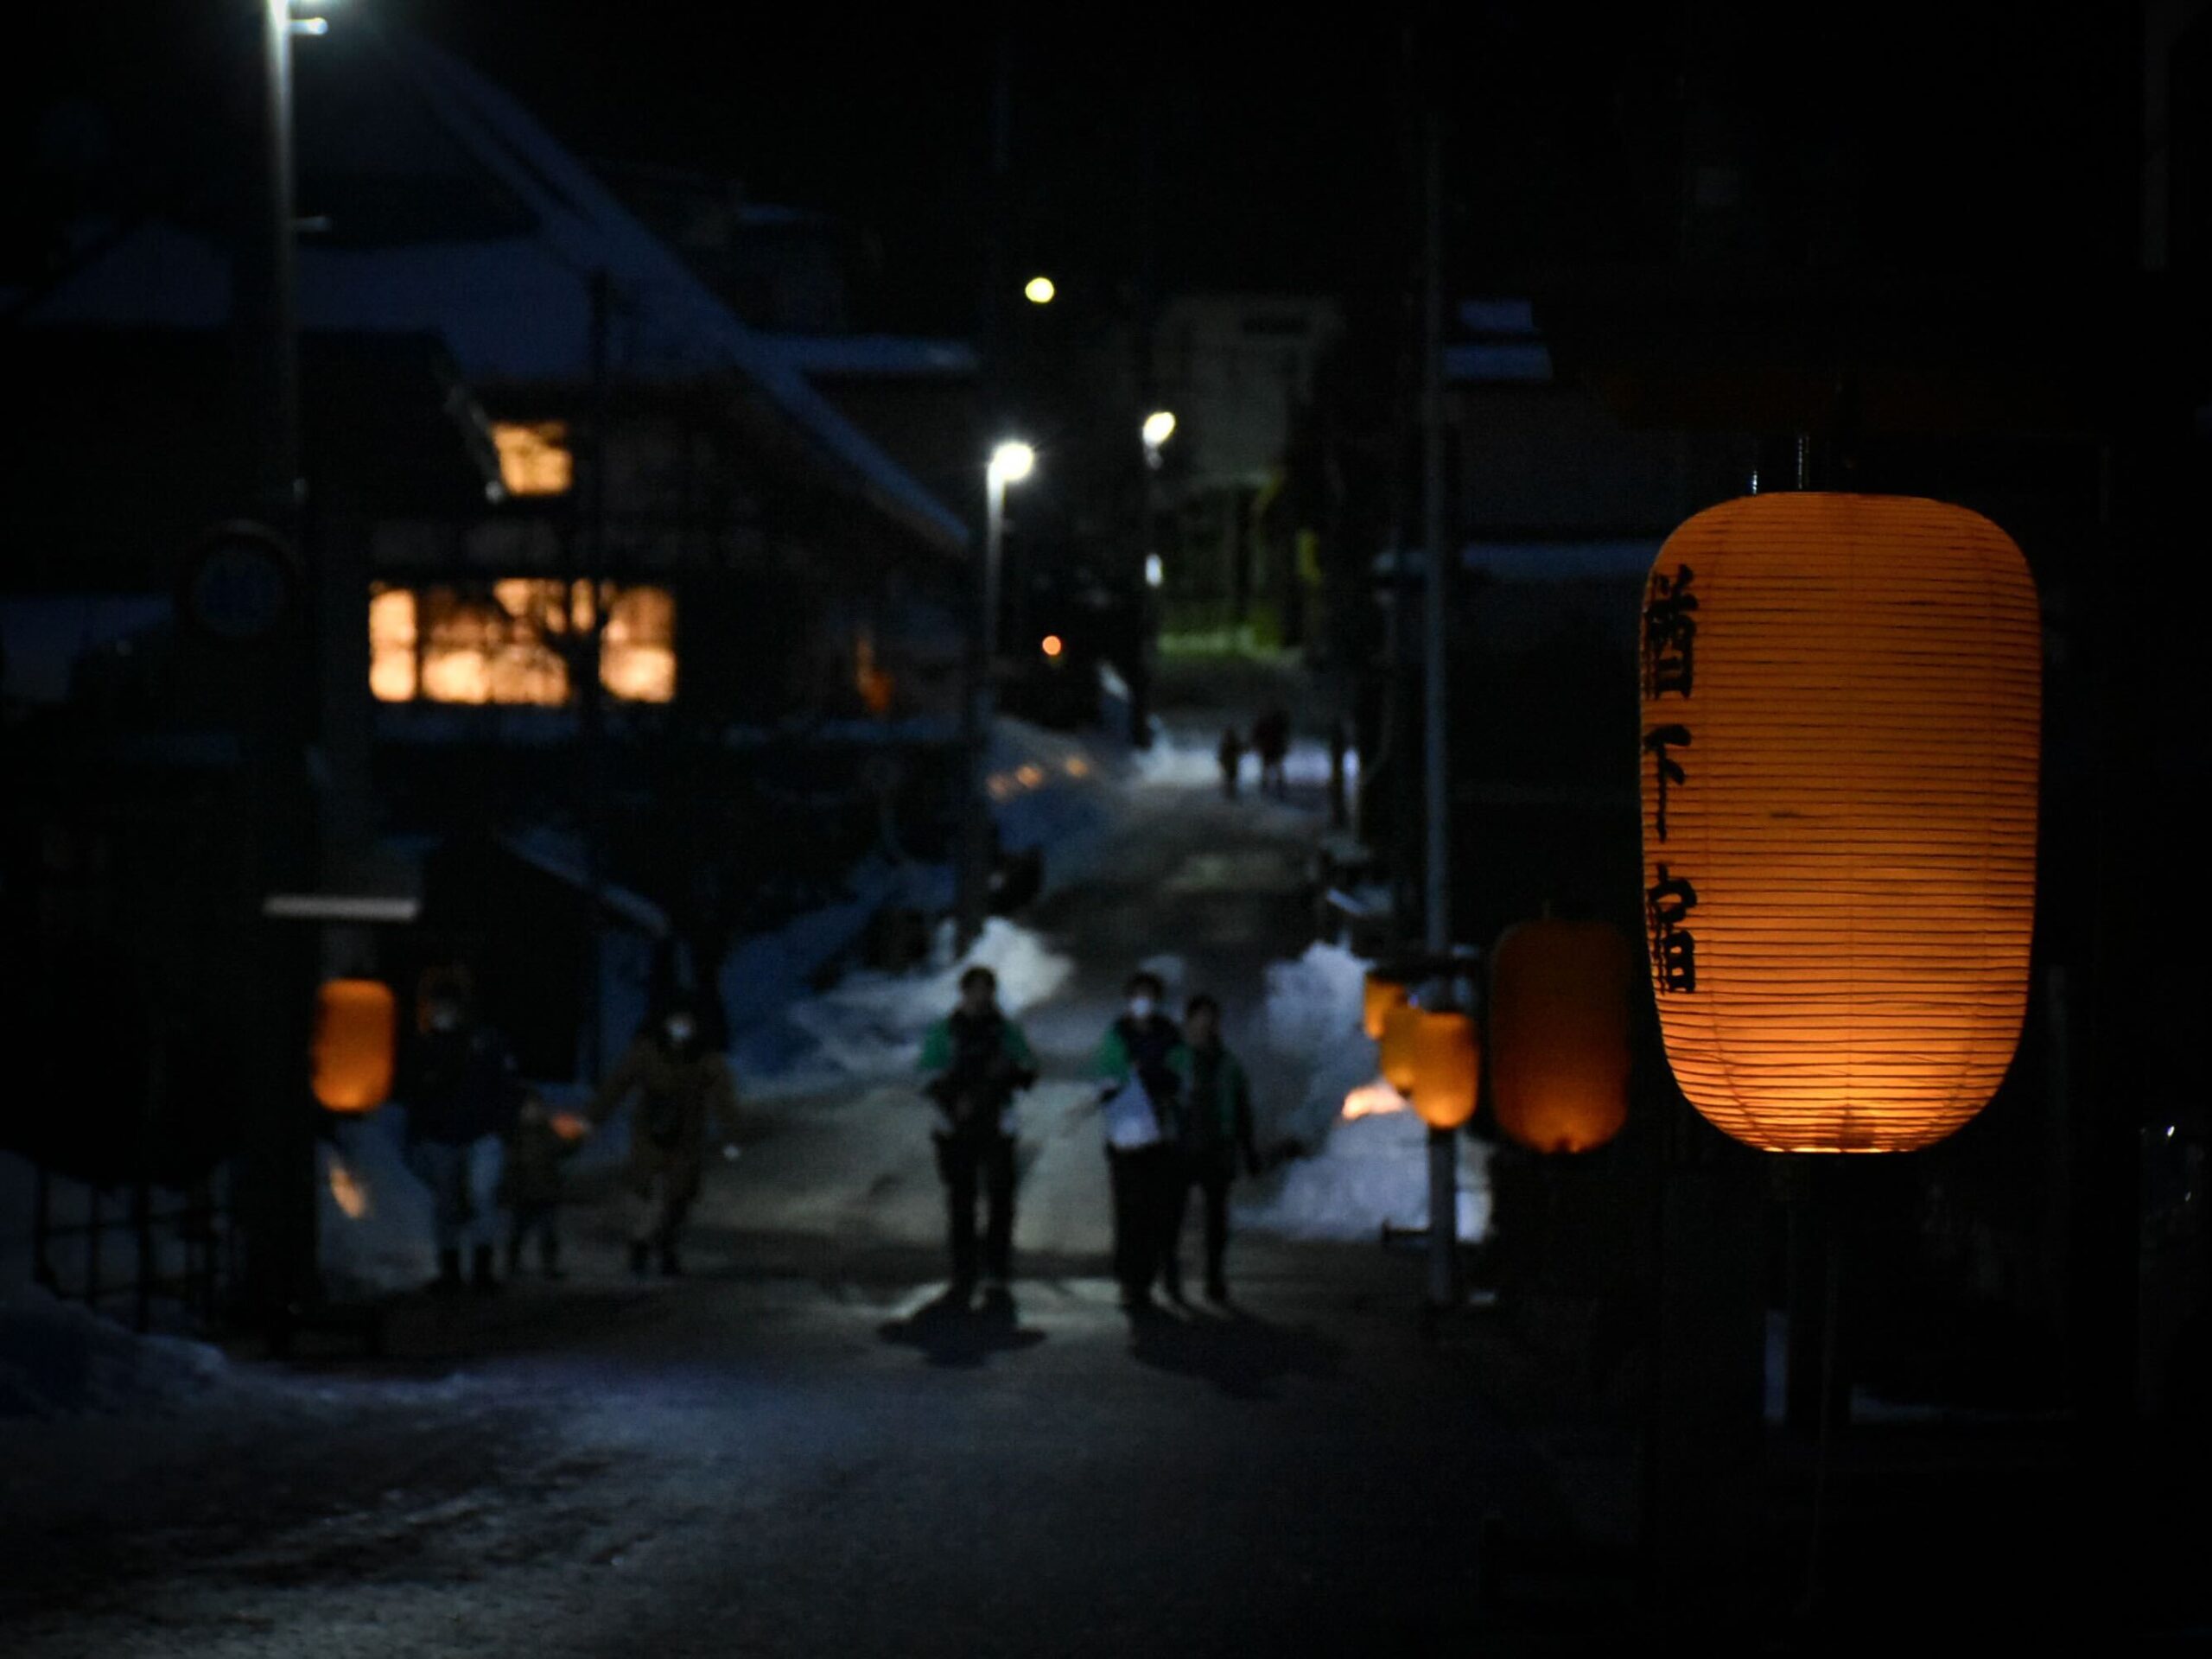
(974, 873)
(1443, 1144)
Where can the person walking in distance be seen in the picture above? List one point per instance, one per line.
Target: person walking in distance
(977, 1060)
(1137, 1094)
(684, 1089)
(1271, 738)
(1213, 1123)
(463, 1096)
(1231, 756)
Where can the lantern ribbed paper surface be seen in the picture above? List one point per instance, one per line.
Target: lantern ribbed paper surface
(1378, 997)
(1399, 1045)
(1558, 1033)
(1841, 706)
(356, 1030)
(1445, 1068)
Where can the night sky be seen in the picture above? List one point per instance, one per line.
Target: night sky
(1281, 152)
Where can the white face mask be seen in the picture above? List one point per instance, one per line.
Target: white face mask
(1141, 1007)
(679, 1029)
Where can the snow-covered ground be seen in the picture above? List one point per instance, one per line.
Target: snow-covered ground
(1364, 1172)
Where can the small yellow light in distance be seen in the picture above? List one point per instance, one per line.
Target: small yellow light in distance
(1159, 427)
(1053, 645)
(1038, 290)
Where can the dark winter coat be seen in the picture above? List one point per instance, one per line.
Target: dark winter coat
(460, 1086)
(1213, 1112)
(1141, 1048)
(677, 1090)
(980, 1061)
(531, 1178)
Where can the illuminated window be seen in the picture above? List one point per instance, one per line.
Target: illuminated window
(869, 678)
(534, 457)
(637, 646)
(514, 644)
(391, 644)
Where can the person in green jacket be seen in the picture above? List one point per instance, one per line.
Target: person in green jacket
(979, 1060)
(1213, 1134)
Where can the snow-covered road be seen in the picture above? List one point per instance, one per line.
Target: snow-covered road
(795, 1450)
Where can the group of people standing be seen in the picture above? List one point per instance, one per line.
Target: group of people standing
(1175, 1103)
(485, 1145)
(1177, 1109)
(1270, 741)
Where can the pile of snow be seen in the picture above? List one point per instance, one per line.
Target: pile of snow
(1371, 1172)
(1365, 1172)
(58, 1358)
(1310, 1020)
(870, 1027)
(375, 1213)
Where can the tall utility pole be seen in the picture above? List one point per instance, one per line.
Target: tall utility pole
(1443, 1144)
(972, 874)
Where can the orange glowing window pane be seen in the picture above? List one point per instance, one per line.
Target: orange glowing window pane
(636, 654)
(391, 644)
(444, 645)
(534, 457)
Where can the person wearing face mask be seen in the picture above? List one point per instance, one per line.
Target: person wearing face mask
(463, 1096)
(1137, 1095)
(684, 1089)
(979, 1060)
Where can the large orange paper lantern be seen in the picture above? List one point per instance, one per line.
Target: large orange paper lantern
(1400, 1027)
(1841, 721)
(356, 1029)
(1378, 997)
(1447, 1068)
(1558, 1033)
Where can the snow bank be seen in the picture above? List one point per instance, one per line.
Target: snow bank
(1372, 1170)
(374, 1213)
(871, 1026)
(58, 1358)
(1310, 1020)
(1365, 1172)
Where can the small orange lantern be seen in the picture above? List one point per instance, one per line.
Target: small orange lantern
(1380, 995)
(1401, 1026)
(1558, 1033)
(356, 1026)
(1447, 1068)
(1842, 700)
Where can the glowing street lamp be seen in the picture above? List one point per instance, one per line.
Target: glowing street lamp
(1159, 427)
(1038, 290)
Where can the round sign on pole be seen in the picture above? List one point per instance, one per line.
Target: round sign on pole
(239, 584)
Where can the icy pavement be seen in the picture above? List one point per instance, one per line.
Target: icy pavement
(797, 1449)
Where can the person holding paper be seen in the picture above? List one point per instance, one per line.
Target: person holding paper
(1137, 1098)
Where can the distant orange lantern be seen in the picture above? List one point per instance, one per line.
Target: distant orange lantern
(1446, 1069)
(1379, 996)
(1841, 701)
(356, 1029)
(1401, 1025)
(1558, 1033)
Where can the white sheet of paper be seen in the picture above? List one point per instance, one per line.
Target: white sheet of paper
(1131, 1120)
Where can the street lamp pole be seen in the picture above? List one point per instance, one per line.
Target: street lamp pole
(1010, 463)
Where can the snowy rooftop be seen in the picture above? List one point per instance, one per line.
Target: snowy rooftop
(507, 285)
